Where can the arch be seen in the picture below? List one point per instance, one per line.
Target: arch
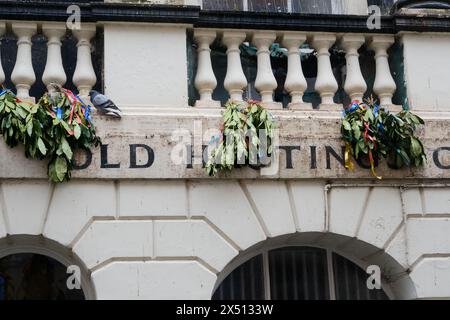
(17, 244)
(395, 278)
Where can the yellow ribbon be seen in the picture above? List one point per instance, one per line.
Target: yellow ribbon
(348, 162)
(372, 166)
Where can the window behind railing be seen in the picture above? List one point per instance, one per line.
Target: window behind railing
(309, 66)
(296, 6)
(39, 59)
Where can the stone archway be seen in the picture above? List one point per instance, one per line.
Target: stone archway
(40, 247)
(395, 278)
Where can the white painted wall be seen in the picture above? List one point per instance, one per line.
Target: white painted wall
(356, 7)
(145, 66)
(427, 65)
(160, 239)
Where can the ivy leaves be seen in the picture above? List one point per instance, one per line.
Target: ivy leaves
(51, 129)
(246, 129)
(373, 131)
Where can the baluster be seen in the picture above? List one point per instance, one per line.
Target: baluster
(235, 80)
(84, 76)
(265, 81)
(205, 80)
(54, 70)
(355, 85)
(326, 83)
(295, 80)
(2, 32)
(23, 74)
(384, 85)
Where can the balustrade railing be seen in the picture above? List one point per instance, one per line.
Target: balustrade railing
(326, 85)
(24, 75)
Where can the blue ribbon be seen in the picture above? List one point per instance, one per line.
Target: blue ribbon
(59, 113)
(354, 107)
(3, 92)
(375, 110)
(87, 109)
(86, 113)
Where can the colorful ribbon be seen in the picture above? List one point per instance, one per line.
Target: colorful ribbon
(367, 136)
(59, 113)
(348, 163)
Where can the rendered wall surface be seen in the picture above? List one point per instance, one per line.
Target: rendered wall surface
(167, 232)
(172, 245)
(427, 65)
(160, 77)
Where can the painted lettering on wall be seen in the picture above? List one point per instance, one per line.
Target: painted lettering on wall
(143, 156)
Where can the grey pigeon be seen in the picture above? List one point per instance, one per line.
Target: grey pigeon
(104, 105)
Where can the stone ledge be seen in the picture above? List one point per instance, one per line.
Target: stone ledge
(141, 147)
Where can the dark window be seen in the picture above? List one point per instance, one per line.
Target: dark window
(350, 282)
(312, 6)
(230, 5)
(28, 276)
(246, 282)
(267, 6)
(385, 5)
(298, 6)
(297, 273)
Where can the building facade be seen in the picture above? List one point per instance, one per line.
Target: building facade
(141, 218)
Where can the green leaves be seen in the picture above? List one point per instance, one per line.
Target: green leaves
(346, 125)
(67, 133)
(58, 169)
(66, 149)
(61, 168)
(400, 138)
(41, 146)
(77, 131)
(240, 139)
(43, 134)
(368, 128)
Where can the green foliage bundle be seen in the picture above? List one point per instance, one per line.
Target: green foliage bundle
(52, 129)
(405, 148)
(71, 129)
(22, 122)
(374, 133)
(245, 130)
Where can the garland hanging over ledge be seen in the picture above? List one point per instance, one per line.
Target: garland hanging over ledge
(371, 132)
(245, 138)
(52, 129)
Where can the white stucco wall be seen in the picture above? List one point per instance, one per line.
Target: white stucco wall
(174, 246)
(146, 238)
(427, 62)
(160, 77)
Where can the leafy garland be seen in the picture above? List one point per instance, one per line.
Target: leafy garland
(374, 132)
(52, 129)
(240, 137)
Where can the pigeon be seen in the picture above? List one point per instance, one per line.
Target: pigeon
(104, 105)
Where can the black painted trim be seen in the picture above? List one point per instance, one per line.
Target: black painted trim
(144, 13)
(42, 11)
(291, 21)
(102, 12)
(98, 11)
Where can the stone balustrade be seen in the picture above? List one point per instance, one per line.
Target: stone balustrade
(24, 76)
(326, 85)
